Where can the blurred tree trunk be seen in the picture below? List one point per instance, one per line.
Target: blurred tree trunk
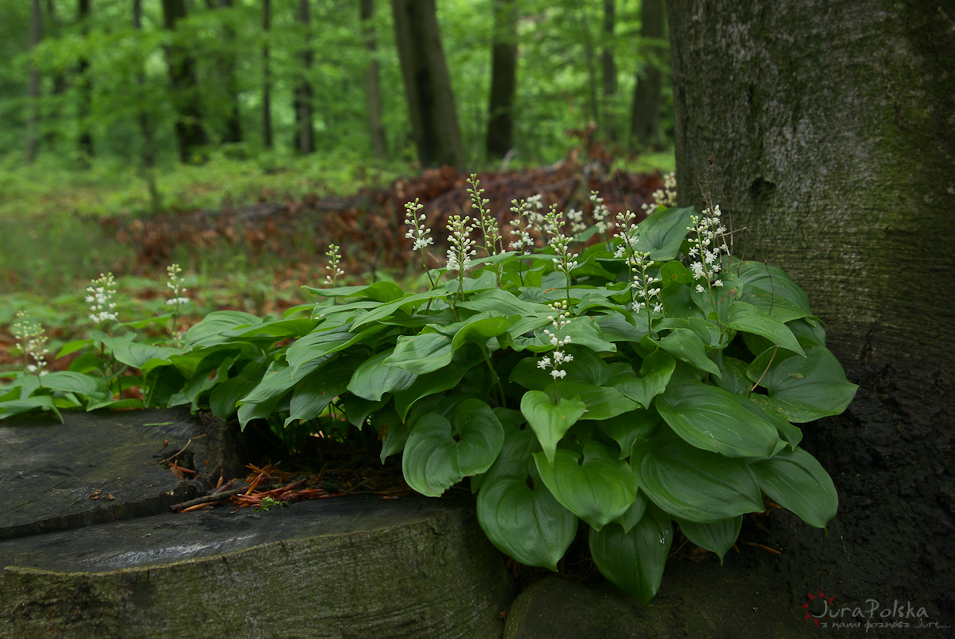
(832, 122)
(86, 90)
(434, 119)
(146, 127)
(266, 75)
(645, 113)
(190, 134)
(609, 71)
(304, 116)
(52, 113)
(376, 128)
(590, 56)
(226, 62)
(500, 122)
(33, 89)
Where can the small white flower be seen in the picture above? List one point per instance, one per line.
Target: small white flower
(558, 374)
(699, 288)
(718, 283)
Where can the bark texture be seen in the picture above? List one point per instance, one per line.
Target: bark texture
(424, 70)
(832, 125)
(376, 126)
(85, 83)
(33, 89)
(304, 120)
(266, 75)
(190, 134)
(645, 113)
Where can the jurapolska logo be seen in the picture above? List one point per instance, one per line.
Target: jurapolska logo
(870, 615)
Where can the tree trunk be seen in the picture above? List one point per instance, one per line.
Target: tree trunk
(609, 70)
(500, 111)
(232, 131)
(147, 129)
(304, 120)
(590, 56)
(434, 119)
(33, 89)
(52, 112)
(376, 128)
(266, 75)
(86, 90)
(645, 113)
(832, 123)
(190, 134)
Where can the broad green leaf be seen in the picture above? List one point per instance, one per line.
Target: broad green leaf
(662, 233)
(734, 379)
(634, 513)
(798, 482)
(325, 342)
(93, 388)
(439, 453)
(771, 279)
(422, 353)
(598, 490)
(602, 402)
(548, 420)
(383, 291)
(694, 485)
(746, 317)
(802, 389)
(275, 329)
(391, 430)
(132, 353)
(716, 537)
(503, 303)
(655, 374)
(71, 347)
(685, 345)
(210, 329)
(584, 331)
(712, 419)
(386, 310)
(434, 382)
(625, 429)
(525, 523)
(481, 330)
(319, 388)
(358, 409)
(224, 397)
(373, 379)
(616, 328)
(634, 560)
(18, 406)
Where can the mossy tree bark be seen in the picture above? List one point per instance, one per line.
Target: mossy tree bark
(832, 125)
(434, 119)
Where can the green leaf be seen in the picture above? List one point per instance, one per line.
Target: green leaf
(656, 371)
(503, 303)
(93, 388)
(18, 406)
(479, 331)
(550, 421)
(627, 428)
(383, 291)
(373, 379)
(746, 317)
(386, 310)
(634, 560)
(798, 482)
(392, 431)
(662, 233)
(716, 537)
(602, 402)
(434, 382)
(325, 342)
(319, 388)
(439, 453)
(802, 389)
(584, 331)
(694, 485)
(616, 328)
(685, 345)
(210, 329)
(422, 353)
(634, 513)
(785, 295)
(525, 523)
(131, 353)
(598, 490)
(225, 396)
(712, 419)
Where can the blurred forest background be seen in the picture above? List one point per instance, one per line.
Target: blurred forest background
(140, 132)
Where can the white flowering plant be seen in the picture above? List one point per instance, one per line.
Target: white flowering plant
(632, 385)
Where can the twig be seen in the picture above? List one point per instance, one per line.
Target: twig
(164, 461)
(208, 499)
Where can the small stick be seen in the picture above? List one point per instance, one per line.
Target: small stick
(208, 499)
(181, 450)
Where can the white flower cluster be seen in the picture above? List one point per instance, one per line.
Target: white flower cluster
(709, 245)
(559, 357)
(627, 234)
(32, 342)
(575, 218)
(565, 260)
(643, 284)
(601, 212)
(173, 271)
(663, 197)
(417, 230)
(462, 246)
(333, 267)
(526, 212)
(100, 298)
(487, 222)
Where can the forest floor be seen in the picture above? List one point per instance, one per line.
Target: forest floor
(257, 256)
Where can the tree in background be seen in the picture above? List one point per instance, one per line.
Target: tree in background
(225, 61)
(86, 89)
(500, 111)
(33, 93)
(609, 64)
(376, 128)
(190, 133)
(266, 74)
(434, 120)
(304, 117)
(832, 122)
(645, 113)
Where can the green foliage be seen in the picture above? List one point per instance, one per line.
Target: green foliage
(616, 386)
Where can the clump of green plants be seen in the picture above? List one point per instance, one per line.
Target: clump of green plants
(629, 385)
